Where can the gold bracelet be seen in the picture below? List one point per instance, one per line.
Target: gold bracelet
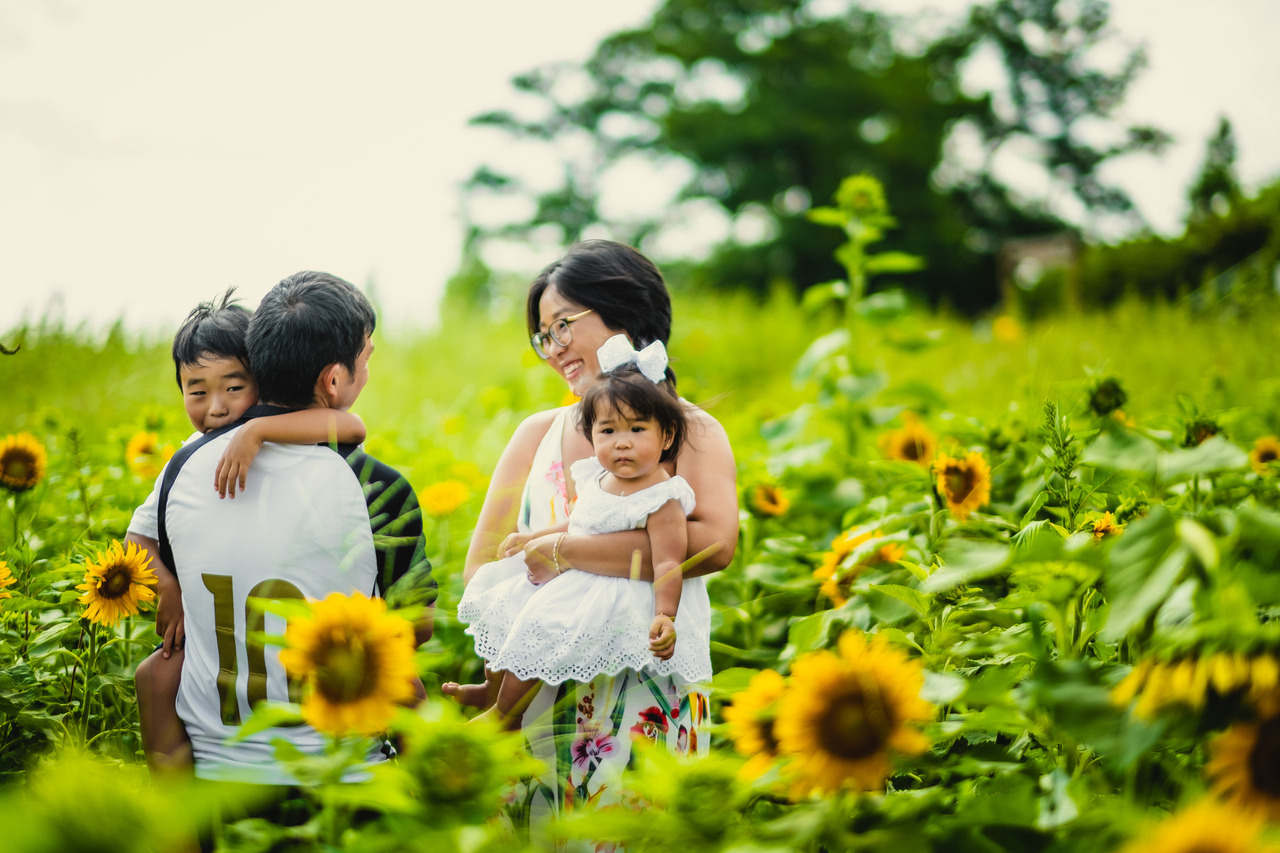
(555, 553)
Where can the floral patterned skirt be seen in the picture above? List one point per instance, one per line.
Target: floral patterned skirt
(582, 732)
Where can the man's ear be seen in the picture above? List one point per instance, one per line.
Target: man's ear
(327, 385)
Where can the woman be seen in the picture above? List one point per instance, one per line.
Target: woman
(583, 731)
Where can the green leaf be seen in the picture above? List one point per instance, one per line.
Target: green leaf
(918, 603)
(1057, 807)
(1039, 540)
(268, 715)
(891, 262)
(1036, 505)
(964, 562)
(1214, 455)
(1123, 451)
(861, 387)
(812, 632)
(732, 680)
(943, 688)
(885, 305)
(1200, 541)
(827, 216)
(818, 353)
(820, 294)
(1146, 563)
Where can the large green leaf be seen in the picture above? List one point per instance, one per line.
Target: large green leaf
(1124, 451)
(892, 262)
(1146, 564)
(818, 353)
(1213, 456)
(964, 562)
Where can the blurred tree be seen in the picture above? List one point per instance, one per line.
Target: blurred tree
(769, 104)
(1217, 189)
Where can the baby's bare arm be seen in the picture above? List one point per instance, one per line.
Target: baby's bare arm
(307, 426)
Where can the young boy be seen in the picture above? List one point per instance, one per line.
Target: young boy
(211, 362)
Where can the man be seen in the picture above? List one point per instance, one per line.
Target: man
(310, 522)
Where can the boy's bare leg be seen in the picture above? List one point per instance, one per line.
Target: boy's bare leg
(164, 738)
(514, 696)
(480, 696)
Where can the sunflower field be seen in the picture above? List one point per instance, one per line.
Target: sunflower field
(1000, 586)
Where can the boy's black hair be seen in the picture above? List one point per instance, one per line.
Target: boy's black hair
(646, 399)
(215, 329)
(305, 323)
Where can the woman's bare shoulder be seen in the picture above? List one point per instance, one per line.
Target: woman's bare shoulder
(533, 428)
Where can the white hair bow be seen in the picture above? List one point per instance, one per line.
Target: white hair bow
(617, 352)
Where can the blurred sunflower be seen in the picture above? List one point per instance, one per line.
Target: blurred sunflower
(751, 720)
(862, 196)
(145, 456)
(1107, 396)
(768, 500)
(1187, 681)
(116, 583)
(22, 462)
(1265, 450)
(1105, 526)
(912, 443)
(836, 577)
(844, 715)
(443, 498)
(1199, 431)
(1206, 827)
(356, 660)
(1245, 767)
(963, 482)
(6, 580)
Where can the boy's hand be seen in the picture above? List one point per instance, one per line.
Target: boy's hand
(236, 459)
(662, 637)
(170, 619)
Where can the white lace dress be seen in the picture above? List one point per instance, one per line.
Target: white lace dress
(579, 625)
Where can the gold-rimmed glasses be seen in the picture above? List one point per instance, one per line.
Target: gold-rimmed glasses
(558, 331)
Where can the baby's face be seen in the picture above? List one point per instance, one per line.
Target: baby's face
(216, 392)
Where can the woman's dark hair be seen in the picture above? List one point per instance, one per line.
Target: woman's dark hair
(617, 282)
(627, 386)
(305, 323)
(215, 329)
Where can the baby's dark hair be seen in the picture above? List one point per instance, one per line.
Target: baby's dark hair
(627, 386)
(213, 329)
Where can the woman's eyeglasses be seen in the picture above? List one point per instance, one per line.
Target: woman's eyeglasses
(559, 332)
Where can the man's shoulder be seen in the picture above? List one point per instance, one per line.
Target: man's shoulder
(368, 468)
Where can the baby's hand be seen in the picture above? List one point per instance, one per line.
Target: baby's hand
(662, 637)
(513, 544)
(235, 462)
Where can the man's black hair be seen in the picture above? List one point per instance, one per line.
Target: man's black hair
(215, 329)
(305, 323)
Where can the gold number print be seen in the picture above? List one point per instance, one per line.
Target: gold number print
(224, 626)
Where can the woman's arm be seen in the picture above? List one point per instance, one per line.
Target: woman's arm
(502, 502)
(307, 426)
(707, 465)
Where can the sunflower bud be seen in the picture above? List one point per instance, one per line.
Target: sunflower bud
(1107, 396)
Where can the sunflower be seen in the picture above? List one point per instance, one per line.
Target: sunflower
(117, 583)
(1206, 827)
(1105, 526)
(768, 500)
(964, 482)
(444, 498)
(357, 662)
(1245, 767)
(751, 720)
(1199, 431)
(912, 443)
(6, 580)
(1187, 681)
(144, 455)
(1107, 396)
(1265, 450)
(837, 578)
(1006, 328)
(22, 461)
(846, 713)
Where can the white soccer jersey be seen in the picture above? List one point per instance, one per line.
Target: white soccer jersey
(300, 528)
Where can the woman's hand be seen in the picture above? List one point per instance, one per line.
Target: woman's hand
(538, 558)
(236, 459)
(662, 637)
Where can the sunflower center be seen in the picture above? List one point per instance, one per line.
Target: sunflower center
(1264, 759)
(18, 465)
(856, 724)
(115, 582)
(1268, 455)
(345, 670)
(960, 483)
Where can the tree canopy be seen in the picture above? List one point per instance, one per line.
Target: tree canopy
(769, 104)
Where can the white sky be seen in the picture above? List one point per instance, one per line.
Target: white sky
(153, 153)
